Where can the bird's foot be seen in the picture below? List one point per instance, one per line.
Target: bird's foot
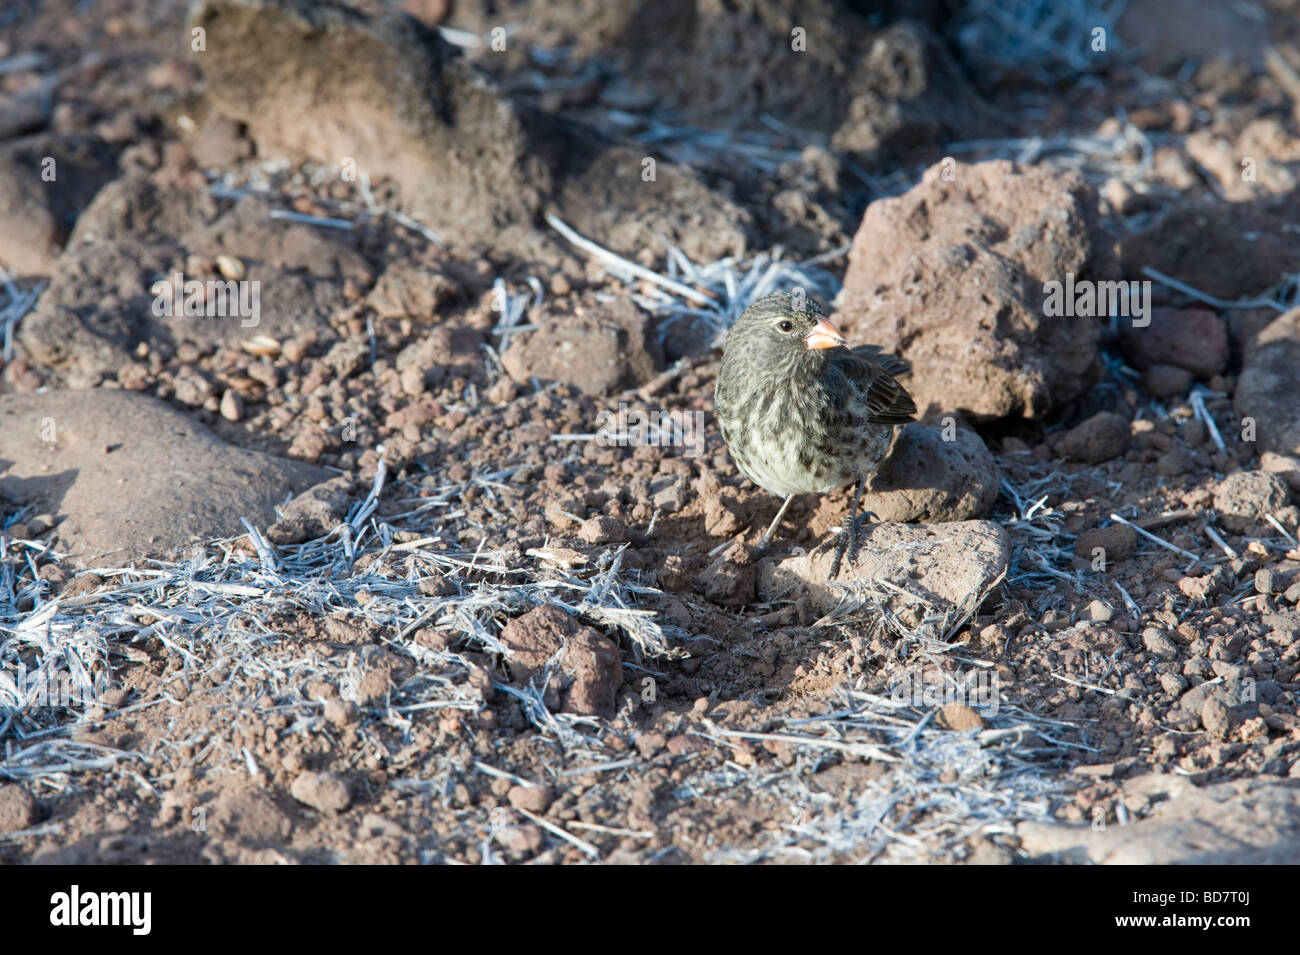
(849, 540)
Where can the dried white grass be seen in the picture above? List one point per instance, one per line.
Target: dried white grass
(328, 222)
(214, 614)
(564, 834)
(469, 40)
(612, 830)
(762, 149)
(18, 304)
(1097, 157)
(513, 308)
(1038, 541)
(931, 625)
(1082, 684)
(1129, 602)
(264, 180)
(1050, 37)
(939, 786)
(712, 294)
(1281, 297)
(1198, 405)
(1222, 544)
(1282, 530)
(31, 60)
(401, 218)
(1174, 548)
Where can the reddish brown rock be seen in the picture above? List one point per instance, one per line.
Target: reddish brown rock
(1044, 222)
(944, 563)
(728, 582)
(400, 103)
(1100, 438)
(602, 529)
(94, 459)
(1244, 498)
(1192, 338)
(406, 289)
(18, 809)
(596, 201)
(601, 350)
(1225, 249)
(1166, 381)
(312, 514)
(934, 474)
(960, 717)
(1116, 542)
(324, 792)
(589, 670)
(951, 275)
(1266, 388)
(536, 799)
(34, 209)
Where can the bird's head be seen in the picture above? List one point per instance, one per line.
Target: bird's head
(784, 332)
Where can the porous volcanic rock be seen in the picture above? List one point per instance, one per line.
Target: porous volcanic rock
(952, 276)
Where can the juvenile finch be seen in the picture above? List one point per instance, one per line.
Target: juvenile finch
(801, 411)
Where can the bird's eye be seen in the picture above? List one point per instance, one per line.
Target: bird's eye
(786, 326)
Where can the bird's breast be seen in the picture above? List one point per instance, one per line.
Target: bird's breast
(780, 438)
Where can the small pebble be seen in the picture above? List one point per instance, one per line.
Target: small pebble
(232, 405)
(324, 792)
(1100, 612)
(231, 268)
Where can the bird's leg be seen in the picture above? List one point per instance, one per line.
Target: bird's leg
(850, 539)
(776, 522)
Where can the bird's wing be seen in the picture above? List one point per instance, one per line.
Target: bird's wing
(889, 363)
(872, 375)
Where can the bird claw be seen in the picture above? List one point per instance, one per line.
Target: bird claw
(850, 541)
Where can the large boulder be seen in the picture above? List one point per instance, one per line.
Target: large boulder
(934, 474)
(1266, 388)
(324, 82)
(125, 476)
(1229, 250)
(914, 572)
(1249, 822)
(103, 300)
(952, 276)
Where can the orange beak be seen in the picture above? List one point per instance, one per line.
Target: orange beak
(823, 335)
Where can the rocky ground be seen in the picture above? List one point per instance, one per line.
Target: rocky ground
(353, 576)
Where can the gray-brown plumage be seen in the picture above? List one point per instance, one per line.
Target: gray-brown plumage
(801, 412)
